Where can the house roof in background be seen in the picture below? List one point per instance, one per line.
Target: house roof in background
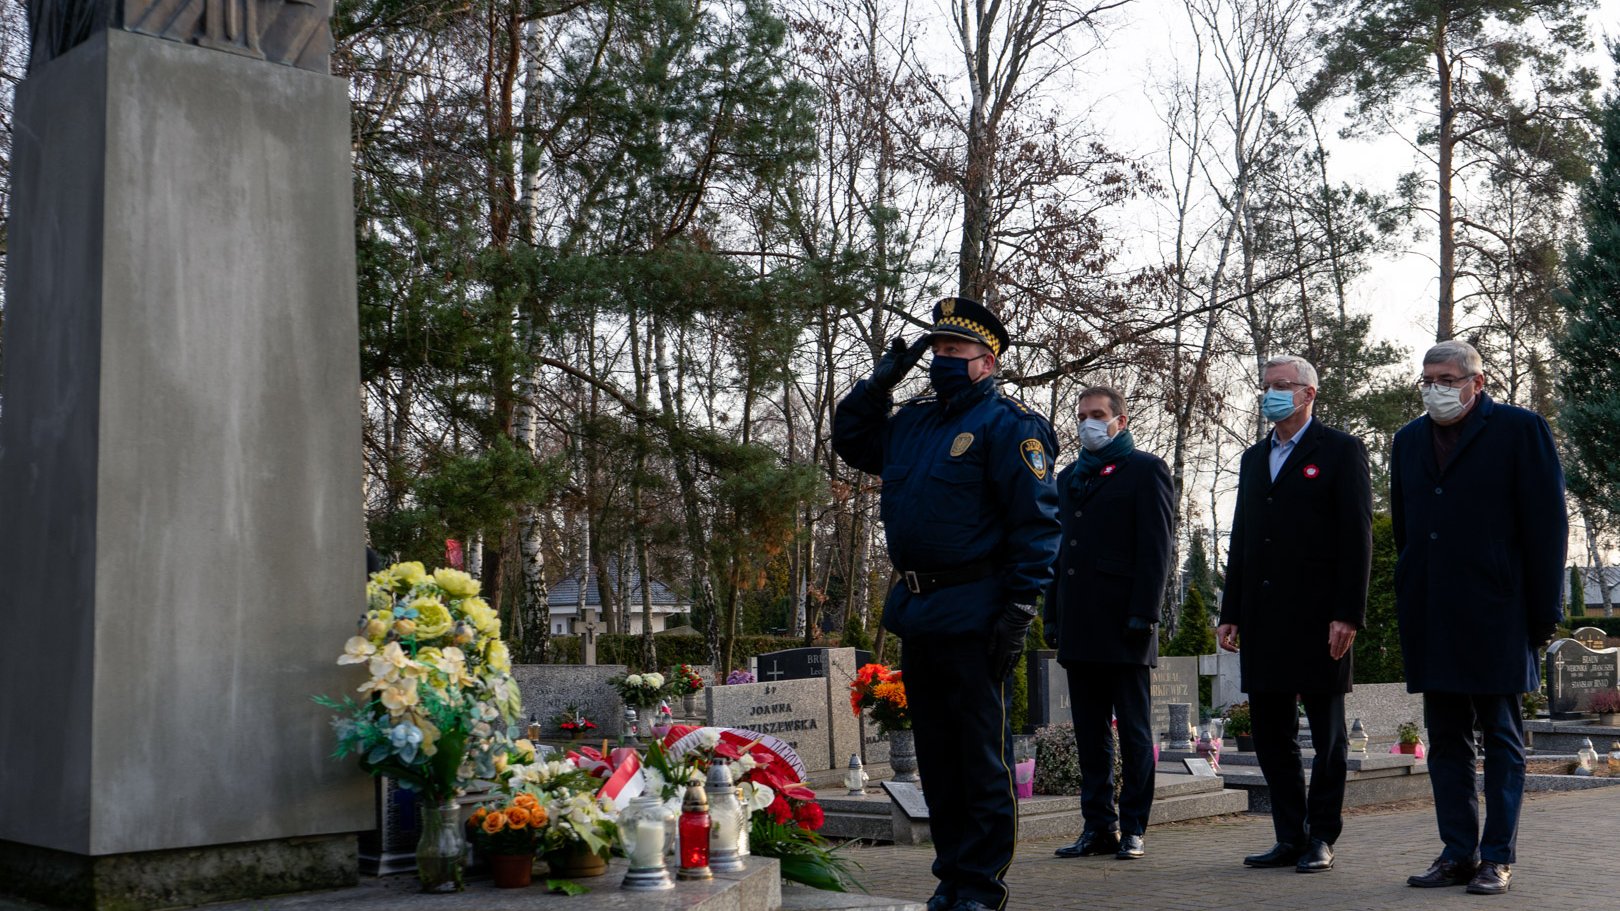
(1611, 581)
(565, 593)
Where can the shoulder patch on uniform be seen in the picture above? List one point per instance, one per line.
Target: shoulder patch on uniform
(961, 444)
(1034, 453)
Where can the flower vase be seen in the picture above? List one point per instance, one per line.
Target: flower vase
(903, 755)
(441, 853)
(574, 861)
(511, 871)
(689, 705)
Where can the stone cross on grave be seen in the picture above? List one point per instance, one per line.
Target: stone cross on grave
(776, 670)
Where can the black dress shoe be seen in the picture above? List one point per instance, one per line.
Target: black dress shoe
(1443, 873)
(1317, 858)
(939, 903)
(1130, 848)
(1281, 854)
(1492, 879)
(1090, 844)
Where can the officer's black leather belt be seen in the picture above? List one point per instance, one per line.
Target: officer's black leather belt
(920, 582)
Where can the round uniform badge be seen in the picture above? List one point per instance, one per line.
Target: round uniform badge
(1109, 469)
(1312, 471)
(961, 444)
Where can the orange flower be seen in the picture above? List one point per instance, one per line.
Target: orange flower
(538, 817)
(478, 815)
(892, 693)
(517, 817)
(526, 801)
(494, 822)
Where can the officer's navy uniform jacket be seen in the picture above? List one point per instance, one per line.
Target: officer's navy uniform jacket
(1299, 559)
(1112, 564)
(966, 483)
(1481, 544)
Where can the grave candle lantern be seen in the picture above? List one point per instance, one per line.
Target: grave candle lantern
(725, 821)
(1358, 737)
(643, 833)
(694, 827)
(1585, 758)
(855, 779)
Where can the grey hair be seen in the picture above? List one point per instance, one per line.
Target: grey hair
(1303, 371)
(1461, 355)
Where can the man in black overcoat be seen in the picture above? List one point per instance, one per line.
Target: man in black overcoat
(1115, 503)
(1477, 497)
(1296, 593)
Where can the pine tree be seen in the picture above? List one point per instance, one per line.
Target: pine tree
(1577, 594)
(1195, 636)
(1589, 349)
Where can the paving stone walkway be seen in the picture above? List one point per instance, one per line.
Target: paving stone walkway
(1569, 860)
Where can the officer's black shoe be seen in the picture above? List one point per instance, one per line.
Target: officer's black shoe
(1317, 858)
(1492, 879)
(940, 902)
(1091, 844)
(1444, 873)
(1282, 854)
(1130, 848)
(968, 904)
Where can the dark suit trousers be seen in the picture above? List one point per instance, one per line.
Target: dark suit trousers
(1099, 693)
(964, 755)
(1451, 718)
(1295, 816)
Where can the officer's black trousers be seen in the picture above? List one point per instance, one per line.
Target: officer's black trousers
(964, 755)
(1100, 693)
(1295, 816)
(1450, 718)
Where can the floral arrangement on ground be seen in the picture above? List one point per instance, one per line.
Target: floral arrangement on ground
(639, 689)
(881, 690)
(784, 816)
(685, 680)
(440, 707)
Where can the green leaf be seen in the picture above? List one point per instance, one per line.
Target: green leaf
(565, 887)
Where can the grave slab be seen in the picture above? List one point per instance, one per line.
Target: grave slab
(793, 710)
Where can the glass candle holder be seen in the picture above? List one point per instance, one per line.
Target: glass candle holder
(694, 826)
(643, 831)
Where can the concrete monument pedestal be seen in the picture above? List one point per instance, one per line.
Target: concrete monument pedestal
(180, 479)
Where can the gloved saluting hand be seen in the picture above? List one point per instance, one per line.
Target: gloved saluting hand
(897, 362)
(1007, 638)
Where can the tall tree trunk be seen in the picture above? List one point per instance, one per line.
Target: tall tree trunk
(691, 505)
(1448, 238)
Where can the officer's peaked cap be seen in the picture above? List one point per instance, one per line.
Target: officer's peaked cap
(969, 319)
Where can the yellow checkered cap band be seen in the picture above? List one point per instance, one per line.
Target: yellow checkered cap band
(979, 329)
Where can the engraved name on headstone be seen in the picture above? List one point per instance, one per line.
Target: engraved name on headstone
(1575, 673)
(792, 710)
(798, 664)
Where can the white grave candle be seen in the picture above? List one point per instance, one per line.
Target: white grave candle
(648, 852)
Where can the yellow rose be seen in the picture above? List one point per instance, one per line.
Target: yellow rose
(525, 748)
(405, 626)
(497, 657)
(483, 617)
(409, 574)
(432, 618)
(456, 583)
(376, 628)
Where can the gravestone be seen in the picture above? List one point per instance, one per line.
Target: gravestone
(1174, 680)
(799, 663)
(1199, 768)
(548, 689)
(1575, 673)
(180, 462)
(1178, 725)
(1591, 637)
(794, 711)
(874, 743)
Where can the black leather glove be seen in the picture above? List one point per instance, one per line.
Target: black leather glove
(1137, 629)
(897, 362)
(1007, 638)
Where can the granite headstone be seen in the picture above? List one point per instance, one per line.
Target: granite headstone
(1591, 637)
(549, 688)
(799, 663)
(793, 710)
(1575, 673)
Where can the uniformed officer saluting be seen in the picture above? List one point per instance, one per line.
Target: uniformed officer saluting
(970, 513)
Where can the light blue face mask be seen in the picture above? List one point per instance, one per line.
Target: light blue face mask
(1277, 406)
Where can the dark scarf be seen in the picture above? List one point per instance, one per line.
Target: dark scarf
(1090, 463)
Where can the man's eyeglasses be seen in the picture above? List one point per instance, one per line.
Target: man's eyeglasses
(1424, 383)
(1280, 386)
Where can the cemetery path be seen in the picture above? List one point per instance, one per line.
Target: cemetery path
(1566, 862)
